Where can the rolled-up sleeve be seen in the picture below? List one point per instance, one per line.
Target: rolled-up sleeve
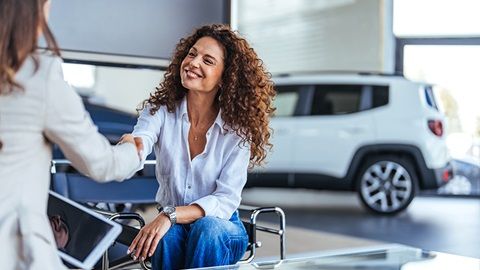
(148, 128)
(227, 196)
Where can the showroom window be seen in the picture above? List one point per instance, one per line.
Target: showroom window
(336, 99)
(444, 51)
(286, 100)
(78, 75)
(428, 18)
(116, 87)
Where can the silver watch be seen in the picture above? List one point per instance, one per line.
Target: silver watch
(170, 212)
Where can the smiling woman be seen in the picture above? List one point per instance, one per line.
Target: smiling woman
(244, 92)
(202, 69)
(207, 121)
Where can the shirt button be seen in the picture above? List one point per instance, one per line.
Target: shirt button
(1, 145)
(189, 187)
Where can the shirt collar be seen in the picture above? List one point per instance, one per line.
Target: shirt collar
(183, 109)
(184, 113)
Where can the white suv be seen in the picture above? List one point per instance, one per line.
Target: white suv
(380, 135)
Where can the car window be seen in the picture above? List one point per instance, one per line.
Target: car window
(380, 95)
(429, 96)
(286, 100)
(336, 99)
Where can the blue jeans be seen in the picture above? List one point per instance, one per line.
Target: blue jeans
(209, 241)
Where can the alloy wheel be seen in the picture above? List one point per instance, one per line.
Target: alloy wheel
(386, 186)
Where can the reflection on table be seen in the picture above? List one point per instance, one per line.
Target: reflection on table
(389, 257)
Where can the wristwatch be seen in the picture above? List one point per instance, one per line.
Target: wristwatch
(170, 212)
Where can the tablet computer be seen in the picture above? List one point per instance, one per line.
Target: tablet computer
(81, 234)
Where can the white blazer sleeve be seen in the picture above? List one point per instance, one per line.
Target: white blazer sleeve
(69, 125)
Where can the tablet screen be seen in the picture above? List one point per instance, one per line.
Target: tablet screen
(79, 231)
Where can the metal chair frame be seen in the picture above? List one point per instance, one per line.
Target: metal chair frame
(253, 243)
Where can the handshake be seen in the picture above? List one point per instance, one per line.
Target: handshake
(137, 141)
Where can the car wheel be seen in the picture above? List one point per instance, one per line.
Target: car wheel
(387, 184)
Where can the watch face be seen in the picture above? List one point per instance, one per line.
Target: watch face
(168, 209)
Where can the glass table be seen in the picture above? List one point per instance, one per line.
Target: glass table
(390, 257)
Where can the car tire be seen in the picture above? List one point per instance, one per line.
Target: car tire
(387, 184)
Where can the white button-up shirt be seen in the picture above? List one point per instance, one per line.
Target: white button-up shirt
(213, 180)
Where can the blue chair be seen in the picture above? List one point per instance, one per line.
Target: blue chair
(140, 189)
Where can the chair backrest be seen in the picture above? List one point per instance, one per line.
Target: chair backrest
(80, 188)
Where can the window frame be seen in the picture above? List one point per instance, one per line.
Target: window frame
(402, 42)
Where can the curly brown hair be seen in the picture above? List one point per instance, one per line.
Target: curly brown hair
(245, 97)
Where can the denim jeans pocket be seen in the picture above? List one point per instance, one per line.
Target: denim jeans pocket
(238, 246)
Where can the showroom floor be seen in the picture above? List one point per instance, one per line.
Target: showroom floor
(333, 220)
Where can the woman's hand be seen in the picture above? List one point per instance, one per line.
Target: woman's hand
(127, 138)
(134, 140)
(147, 239)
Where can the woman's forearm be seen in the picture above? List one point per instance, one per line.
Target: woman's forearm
(188, 214)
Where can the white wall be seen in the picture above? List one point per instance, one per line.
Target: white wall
(316, 35)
